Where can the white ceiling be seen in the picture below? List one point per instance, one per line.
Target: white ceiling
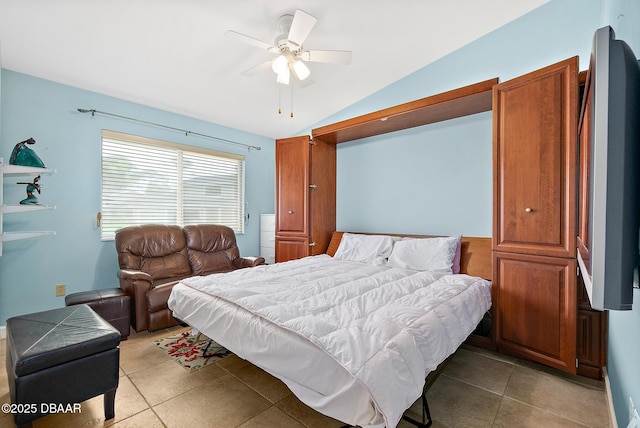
(172, 54)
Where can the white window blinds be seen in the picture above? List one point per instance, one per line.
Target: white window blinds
(151, 181)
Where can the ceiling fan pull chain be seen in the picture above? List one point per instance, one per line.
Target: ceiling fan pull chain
(291, 100)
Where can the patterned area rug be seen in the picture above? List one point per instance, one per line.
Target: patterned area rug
(192, 352)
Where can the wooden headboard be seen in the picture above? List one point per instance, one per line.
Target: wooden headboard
(475, 257)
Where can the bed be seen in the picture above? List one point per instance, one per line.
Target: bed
(353, 332)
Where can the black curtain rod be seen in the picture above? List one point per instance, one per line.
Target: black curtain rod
(186, 132)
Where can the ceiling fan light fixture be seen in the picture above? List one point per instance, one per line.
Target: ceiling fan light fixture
(300, 69)
(280, 64)
(283, 76)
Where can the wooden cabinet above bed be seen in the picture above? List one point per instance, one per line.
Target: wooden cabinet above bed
(471, 99)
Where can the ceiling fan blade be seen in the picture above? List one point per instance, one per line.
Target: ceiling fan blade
(301, 26)
(257, 69)
(243, 38)
(333, 57)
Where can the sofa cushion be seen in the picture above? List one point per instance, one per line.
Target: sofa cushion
(211, 248)
(206, 263)
(168, 266)
(159, 250)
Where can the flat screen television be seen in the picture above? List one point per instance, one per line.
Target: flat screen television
(609, 200)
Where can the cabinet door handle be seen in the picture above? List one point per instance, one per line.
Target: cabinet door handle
(528, 210)
(313, 186)
(290, 212)
(312, 244)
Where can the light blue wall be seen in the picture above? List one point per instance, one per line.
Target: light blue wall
(405, 182)
(555, 31)
(70, 142)
(623, 350)
(406, 170)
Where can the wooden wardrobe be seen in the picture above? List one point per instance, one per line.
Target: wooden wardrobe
(535, 155)
(305, 197)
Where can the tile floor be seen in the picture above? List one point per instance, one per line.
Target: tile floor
(476, 389)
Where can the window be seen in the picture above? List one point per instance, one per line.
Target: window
(151, 181)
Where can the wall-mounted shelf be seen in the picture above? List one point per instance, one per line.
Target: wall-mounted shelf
(15, 236)
(24, 170)
(459, 102)
(10, 209)
(18, 170)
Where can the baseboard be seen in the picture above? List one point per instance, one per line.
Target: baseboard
(3, 331)
(612, 412)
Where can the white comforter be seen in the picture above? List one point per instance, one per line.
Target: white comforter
(387, 327)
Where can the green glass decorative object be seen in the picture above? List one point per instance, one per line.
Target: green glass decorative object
(24, 155)
(31, 199)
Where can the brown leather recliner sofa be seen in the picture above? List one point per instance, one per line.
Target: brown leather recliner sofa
(153, 258)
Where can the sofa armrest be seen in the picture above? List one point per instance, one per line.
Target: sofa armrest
(134, 275)
(245, 262)
(136, 284)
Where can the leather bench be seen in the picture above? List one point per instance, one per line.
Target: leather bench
(112, 304)
(59, 358)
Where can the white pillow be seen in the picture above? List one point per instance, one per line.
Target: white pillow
(371, 249)
(432, 254)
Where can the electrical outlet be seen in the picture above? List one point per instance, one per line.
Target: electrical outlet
(61, 290)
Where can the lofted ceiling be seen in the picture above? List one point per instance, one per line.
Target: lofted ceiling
(173, 55)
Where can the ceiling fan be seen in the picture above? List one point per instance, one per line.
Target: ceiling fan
(291, 56)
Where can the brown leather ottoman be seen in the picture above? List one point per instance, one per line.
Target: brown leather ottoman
(60, 358)
(112, 304)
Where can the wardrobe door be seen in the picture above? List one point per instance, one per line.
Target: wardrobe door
(322, 196)
(536, 316)
(535, 150)
(534, 229)
(292, 186)
(305, 197)
(291, 247)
